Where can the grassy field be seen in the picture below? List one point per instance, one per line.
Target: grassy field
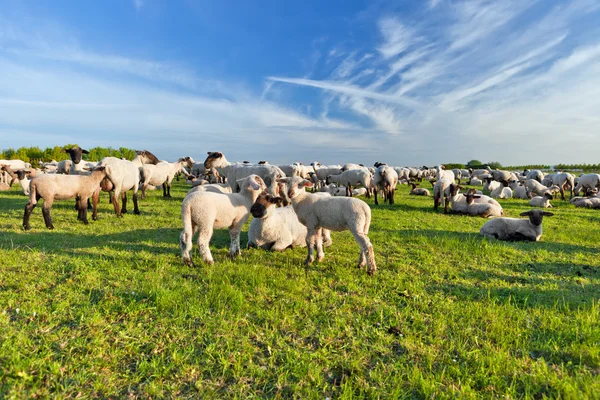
(109, 309)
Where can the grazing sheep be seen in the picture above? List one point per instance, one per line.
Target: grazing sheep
(541, 201)
(587, 182)
(235, 173)
(564, 180)
(318, 212)
(163, 174)
(535, 174)
(515, 229)
(124, 175)
(76, 166)
(386, 180)
(277, 229)
(52, 187)
(418, 191)
(484, 210)
(352, 178)
(10, 176)
(203, 211)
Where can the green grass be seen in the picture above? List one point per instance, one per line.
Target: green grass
(109, 309)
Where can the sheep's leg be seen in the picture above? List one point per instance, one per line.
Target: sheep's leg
(234, 247)
(562, 192)
(376, 202)
(367, 254)
(204, 236)
(124, 200)
(327, 238)
(164, 186)
(136, 209)
(28, 209)
(393, 193)
(83, 210)
(185, 243)
(446, 203)
(95, 199)
(319, 243)
(310, 243)
(46, 207)
(168, 188)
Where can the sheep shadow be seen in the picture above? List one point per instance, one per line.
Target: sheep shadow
(520, 285)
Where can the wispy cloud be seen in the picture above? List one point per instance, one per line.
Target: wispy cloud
(138, 4)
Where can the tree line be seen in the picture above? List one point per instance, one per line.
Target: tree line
(35, 155)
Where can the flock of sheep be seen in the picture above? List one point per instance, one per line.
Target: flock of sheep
(293, 205)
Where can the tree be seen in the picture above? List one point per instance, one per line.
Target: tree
(494, 164)
(474, 163)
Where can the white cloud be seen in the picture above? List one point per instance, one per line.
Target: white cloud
(138, 4)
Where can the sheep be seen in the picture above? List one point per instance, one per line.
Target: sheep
(123, 175)
(64, 187)
(586, 202)
(563, 180)
(335, 190)
(64, 167)
(212, 176)
(352, 178)
(441, 191)
(385, 179)
(475, 182)
(277, 229)
(478, 173)
(519, 190)
(588, 182)
(441, 173)
(312, 176)
(534, 187)
(502, 191)
(350, 166)
(502, 176)
(212, 187)
(24, 180)
(76, 166)
(16, 164)
(535, 174)
(303, 171)
(318, 212)
(418, 191)
(489, 184)
(541, 201)
(548, 180)
(9, 176)
(236, 172)
(163, 173)
(203, 211)
(484, 210)
(324, 171)
(515, 229)
(460, 204)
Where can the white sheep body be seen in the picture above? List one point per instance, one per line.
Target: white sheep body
(505, 228)
(540, 201)
(501, 192)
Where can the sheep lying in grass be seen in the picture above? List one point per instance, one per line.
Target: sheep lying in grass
(515, 229)
(541, 201)
(483, 210)
(277, 229)
(586, 202)
(335, 190)
(52, 187)
(502, 191)
(519, 190)
(318, 212)
(461, 203)
(418, 191)
(203, 211)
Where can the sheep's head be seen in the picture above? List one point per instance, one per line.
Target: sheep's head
(471, 197)
(548, 195)
(295, 185)
(263, 162)
(75, 153)
(536, 216)
(214, 159)
(264, 203)
(253, 183)
(187, 161)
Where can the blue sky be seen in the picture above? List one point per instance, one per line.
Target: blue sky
(406, 82)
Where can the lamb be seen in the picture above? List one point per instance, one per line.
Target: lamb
(441, 190)
(9, 176)
(490, 185)
(484, 210)
(236, 172)
(52, 187)
(24, 180)
(76, 166)
(203, 211)
(352, 178)
(502, 191)
(516, 229)
(519, 190)
(16, 164)
(303, 171)
(460, 205)
(64, 167)
(533, 186)
(324, 171)
(441, 173)
(418, 191)
(475, 182)
(563, 180)
(277, 229)
(318, 212)
(335, 190)
(541, 201)
(385, 179)
(123, 175)
(163, 174)
(588, 182)
(586, 202)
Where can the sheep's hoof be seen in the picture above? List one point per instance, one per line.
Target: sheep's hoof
(124, 211)
(136, 212)
(320, 257)
(371, 272)
(50, 227)
(188, 262)
(327, 243)
(26, 227)
(309, 261)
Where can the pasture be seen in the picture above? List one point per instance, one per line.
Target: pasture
(110, 310)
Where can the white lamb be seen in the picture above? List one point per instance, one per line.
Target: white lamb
(502, 192)
(516, 229)
(318, 212)
(386, 180)
(541, 201)
(277, 228)
(203, 211)
(352, 178)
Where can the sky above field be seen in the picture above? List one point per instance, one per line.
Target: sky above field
(405, 82)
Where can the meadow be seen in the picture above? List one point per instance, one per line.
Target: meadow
(110, 310)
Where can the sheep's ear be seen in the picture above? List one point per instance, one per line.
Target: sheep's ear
(476, 196)
(254, 184)
(282, 180)
(307, 183)
(547, 213)
(63, 151)
(525, 214)
(85, 151)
